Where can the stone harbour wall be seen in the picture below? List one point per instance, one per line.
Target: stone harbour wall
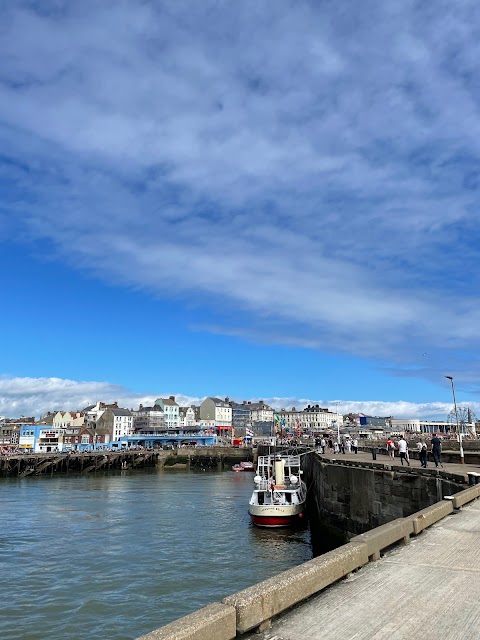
(345, 500)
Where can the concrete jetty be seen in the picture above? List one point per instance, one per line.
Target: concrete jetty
(428, 590)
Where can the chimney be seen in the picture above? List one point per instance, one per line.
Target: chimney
(172, 398)
(227, 399)
(140, 407)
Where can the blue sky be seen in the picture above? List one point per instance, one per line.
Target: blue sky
(256, 199)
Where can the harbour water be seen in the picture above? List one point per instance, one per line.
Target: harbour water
(116, 556)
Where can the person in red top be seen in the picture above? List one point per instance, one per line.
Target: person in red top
(390, 448)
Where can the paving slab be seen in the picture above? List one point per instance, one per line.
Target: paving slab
(428, 590)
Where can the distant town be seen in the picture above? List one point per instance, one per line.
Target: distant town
(214, 421)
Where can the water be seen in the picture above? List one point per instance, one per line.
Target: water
(120, 555)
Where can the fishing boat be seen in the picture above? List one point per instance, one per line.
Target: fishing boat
(279, 495)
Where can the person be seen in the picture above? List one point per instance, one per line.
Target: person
(355, 445)
(436, 444)
(336, 448)
(390, 448)
(422, 453)
(348, 445)
(323, 444)
(403, 450)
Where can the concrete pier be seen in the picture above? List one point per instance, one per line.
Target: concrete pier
(428, 590)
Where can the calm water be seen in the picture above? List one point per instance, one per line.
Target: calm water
(118, 556)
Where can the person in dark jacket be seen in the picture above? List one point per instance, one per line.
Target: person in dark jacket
(436, 450)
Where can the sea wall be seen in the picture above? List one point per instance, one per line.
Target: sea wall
(348, 499)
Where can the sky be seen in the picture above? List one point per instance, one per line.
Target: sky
(259, 200)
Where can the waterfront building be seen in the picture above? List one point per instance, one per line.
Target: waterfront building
(149, 420)
(217, 411)
(415, 425)
(240, 414)
(40, 438)
(187, 416)
(170, 411)
(10, 430)
(113, 424)
(311, 419)
(93, 412)
(261, 413)
(9, 434)
(64, 419)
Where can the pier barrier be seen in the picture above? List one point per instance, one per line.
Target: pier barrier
(255, 606)
(426, 517)
(386, 535)
(463, 497)
(214, 622)
(258, 604)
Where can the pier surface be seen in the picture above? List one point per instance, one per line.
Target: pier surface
(364, 457)
(427, 590)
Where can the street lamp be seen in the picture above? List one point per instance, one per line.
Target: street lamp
(337, 422)
(462, 459)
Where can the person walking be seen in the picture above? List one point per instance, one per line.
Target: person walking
(436, 444)
(422, 453)
(355, 445)
(323, 444)
(390, 448)
(403, 450)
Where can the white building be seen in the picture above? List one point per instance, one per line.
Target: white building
(65, 419)
(312, 418)
(216, 410)
(260, 412)
(114, 424)
(187, 417)
(171, 412)
(415, 425)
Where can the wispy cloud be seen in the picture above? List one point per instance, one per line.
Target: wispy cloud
(36, 396)
(314, 169)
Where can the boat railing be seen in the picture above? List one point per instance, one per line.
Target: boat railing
(266, 485)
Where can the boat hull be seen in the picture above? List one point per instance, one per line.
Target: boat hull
(276, 516)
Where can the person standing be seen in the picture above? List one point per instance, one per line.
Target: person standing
(403, 450)
(355, 445)
(323, 444)
(436, 444)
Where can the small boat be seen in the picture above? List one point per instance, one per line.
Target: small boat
(279, 496)
(243, 466)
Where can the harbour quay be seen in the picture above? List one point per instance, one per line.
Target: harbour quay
(409, 567)
(36, 464)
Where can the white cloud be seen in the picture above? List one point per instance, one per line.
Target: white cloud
(36, 396)
(318, 175)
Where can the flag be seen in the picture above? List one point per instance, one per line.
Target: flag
(249, 433)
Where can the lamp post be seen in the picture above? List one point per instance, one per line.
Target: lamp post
(462, 459)
(338, 422)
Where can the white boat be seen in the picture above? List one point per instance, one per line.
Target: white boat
(279, 496)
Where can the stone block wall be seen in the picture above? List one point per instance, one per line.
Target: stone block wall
(345, 501)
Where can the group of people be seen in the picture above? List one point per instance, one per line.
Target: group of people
(422, 449)
(346, 445)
